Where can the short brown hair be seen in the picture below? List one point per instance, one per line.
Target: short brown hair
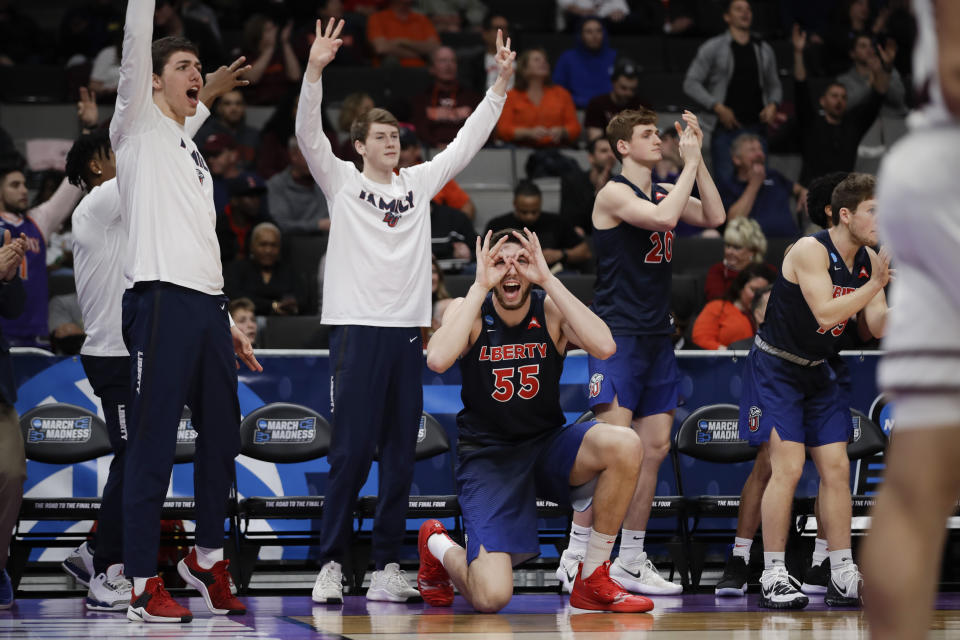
(162, 49)
(621, 125)
(508, 232)
(361, 126)
(851, 191)
(520, 80)
(242, 304)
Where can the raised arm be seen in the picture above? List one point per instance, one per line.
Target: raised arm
(874, 316)
(135, 91)
(51, 214)
(708, 210)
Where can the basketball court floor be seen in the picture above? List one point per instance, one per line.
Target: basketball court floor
(527, 617)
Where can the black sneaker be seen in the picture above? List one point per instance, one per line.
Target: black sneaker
(733, 583)
(843, 588)
(778, 590)
(816, 578)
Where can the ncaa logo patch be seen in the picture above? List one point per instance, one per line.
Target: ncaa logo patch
(754, 422)
(59, 430)
(422, 430)
(596, 380)
(284, 430)
(185, 431)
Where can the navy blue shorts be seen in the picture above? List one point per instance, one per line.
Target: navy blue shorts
(804, 404)
(642, 375)
(498, 487)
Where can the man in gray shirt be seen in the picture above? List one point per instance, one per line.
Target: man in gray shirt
(859, 78)
(294, 199)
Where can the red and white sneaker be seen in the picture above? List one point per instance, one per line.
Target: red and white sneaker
(433, 581)
(155, 605)
(213, 584)
(600, 593)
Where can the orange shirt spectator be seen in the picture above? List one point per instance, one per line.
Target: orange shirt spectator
(719, 324)
(399, 34)
(452, 196)
(538, 113)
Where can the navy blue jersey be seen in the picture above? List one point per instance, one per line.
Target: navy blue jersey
(634, 268)
(33, 271)
(789, 323)
(511, 379)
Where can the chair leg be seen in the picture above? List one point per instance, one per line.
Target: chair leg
(17, 562)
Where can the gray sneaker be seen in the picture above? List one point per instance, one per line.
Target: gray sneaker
(79, 564)
(390, 585)
(109, 591)
(329, 586)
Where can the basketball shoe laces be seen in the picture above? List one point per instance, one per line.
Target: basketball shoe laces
(220, 589)
(849, 575)
(398, 580)
(783, 582)
(162, 596)
(603, 586)
(118, 582)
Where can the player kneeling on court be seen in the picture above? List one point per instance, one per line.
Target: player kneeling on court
(513, 447)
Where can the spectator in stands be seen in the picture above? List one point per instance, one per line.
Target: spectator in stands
(276, 69)
(440, 111)
(757, 192)
(451, 195)
(743, 244)
(671, 164)
(734, 75)
(244, 315)
(613, 12)
(451, 16)
(272, 284)
(273, 156)
(623, 95)
(440, 297)
(65, 322)
(829, 140)
(223, 159)
(563, 248)
(353, 106)
(537, 112)
(231, 119)
(240, 216)
(201, 12)
(579, 189)
(585, 70)
(353, 51)
(729, 319)
(401, 36)
(491, 23)
(364, 7)
(295, 200)
(105, 73)
(654, 16)
(29, 329)
(851, 18)
(167, 21)
(859, 78)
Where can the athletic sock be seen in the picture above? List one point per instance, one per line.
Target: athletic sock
(207, 557)
(741, 547)
(631, 545)
(579, 536)
(773, 559)
(139, 584)
(819, 552)
(598, 551)
(438, 544)
(840, 559)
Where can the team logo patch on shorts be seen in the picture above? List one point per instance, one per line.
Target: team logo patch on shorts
(754, 422)
(595, 381)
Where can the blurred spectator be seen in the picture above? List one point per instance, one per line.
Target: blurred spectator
(353, 51)
(86, 29)
(441, 110)
(623, 95)
(401, 36)
(538, 113)
(440, 297)
(353, 106)
(585, 70)
(273, 155)
(671, 164)
(270, 283)
(613, 12)
(859, 79)
(819, 208)
(243, 312)
(734, 76)
(452, 16)
(167, 21)
(757, 192)
(19, 36)
(491, 23)
(579, 189)
(364, 7)
(451, 195)
(729, 319)
(674, 17)
(66, 324)
(743, 244)
(275, 69)
(242, 214)
(829, 139)
(223, 160)
(563, 248)
(197, 10)
(851, 18)
(231, 119)
(105, 73)
(295, 200)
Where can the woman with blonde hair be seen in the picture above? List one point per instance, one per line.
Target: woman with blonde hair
(743, 244)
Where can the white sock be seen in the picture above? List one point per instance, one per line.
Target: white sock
(579, 536)
(819, 551)
(207, 557)
(598, 551)
(741, 547)
(438, 544)
(631, 545)
(840, 559)
(139, 584)
(773, 559)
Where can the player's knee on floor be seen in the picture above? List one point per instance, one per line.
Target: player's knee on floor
(490, 598)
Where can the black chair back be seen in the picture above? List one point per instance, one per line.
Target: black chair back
(61, 433)
(712, 434)
(867, 437)
(284, 432)
(186, 438)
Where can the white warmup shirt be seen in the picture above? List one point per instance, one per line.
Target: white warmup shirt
(926, 71)
(165, 186)
(378, 257)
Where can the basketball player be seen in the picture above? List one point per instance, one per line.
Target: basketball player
(174, 320)
(633, 221)
(791, 397)
(376, 294)
(919, 217)
(512, 444)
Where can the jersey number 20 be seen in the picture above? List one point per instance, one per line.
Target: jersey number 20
(662, 250)
(504, 387)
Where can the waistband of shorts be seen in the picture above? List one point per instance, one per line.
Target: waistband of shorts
(766, 347)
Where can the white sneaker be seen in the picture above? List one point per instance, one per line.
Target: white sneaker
(390, 585)
(844, 587)
(780, 590)
(329, 586)
(79, 564)
(109, 591)
(567, 571)
(640, 576)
